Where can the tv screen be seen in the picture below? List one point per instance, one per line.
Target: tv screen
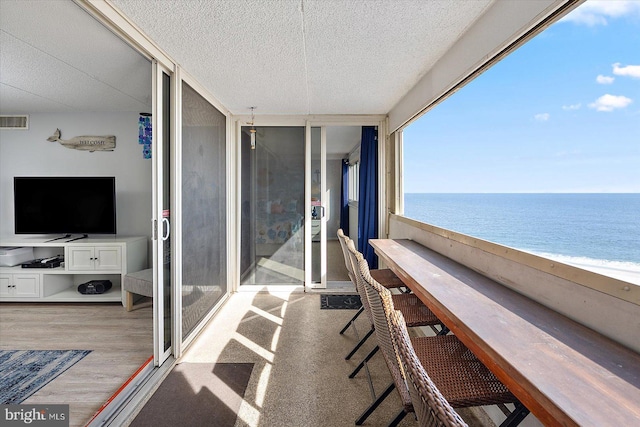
(70, 205)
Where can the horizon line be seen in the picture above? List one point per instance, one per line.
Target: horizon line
(522, 192)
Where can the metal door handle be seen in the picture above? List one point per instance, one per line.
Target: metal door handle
(165, 221)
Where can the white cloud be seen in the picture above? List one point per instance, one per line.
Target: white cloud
(542, 117)
(571, 107)
(610, 102)
(629, 70)
(599, 12)
(605, 80)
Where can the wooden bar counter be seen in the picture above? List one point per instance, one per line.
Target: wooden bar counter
(565, 373)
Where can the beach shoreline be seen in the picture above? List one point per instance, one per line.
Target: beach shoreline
(629, 276)
(626, 271)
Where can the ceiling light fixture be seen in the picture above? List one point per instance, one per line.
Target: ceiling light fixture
(252, 131)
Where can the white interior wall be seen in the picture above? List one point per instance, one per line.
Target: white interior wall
(334, 185)
(28, 153)
(353, 223)
(354, 157)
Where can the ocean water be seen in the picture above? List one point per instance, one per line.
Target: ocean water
(585, 229)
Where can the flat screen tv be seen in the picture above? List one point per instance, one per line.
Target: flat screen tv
(69, 205)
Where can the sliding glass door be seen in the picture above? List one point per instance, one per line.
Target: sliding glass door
(161, 152)
(203, 231)
(272, 200)
(317, 176)
(190, 254)
(290, 201)
(329, 147)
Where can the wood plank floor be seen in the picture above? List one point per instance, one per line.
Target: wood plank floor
(120, 341)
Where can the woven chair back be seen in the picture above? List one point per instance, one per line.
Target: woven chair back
(430, 407)
(381, 305)
(343, 239)
(354, 258)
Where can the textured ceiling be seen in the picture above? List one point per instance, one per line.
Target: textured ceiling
(305, 56)
(284, 57)
(57, 58)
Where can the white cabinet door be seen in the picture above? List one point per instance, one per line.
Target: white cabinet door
(90, 258)
(5, 285)
(108, 258)
(79, 258)
(26, 285)
(19, 285)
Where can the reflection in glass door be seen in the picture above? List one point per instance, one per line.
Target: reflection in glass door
(272, 206)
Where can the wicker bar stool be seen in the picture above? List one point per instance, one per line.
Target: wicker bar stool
(414, 310)
(458, 375)
(384, 276)
(430, 407)
(458, 379)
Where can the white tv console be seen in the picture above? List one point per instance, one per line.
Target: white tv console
(85, 259)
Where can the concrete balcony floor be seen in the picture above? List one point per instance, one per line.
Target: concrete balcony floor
(300, 376)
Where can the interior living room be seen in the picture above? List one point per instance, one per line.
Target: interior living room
(174, 178)
(68, 88)
(103, 87)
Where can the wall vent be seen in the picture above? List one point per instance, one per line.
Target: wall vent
(14, 122)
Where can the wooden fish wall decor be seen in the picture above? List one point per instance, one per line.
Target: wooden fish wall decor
(86, 143)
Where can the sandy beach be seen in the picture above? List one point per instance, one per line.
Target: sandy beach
(626, 271)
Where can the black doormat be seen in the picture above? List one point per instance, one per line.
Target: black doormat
(337, 302)
(197, 394)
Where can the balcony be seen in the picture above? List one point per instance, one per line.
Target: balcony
(299, 373)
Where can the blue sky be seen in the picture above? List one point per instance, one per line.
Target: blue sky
(559, 115)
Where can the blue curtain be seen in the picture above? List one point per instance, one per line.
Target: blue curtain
(344, 198)
(368, 197)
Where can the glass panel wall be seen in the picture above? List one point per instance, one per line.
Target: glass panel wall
(318, 205)
(204, 207)
(166, 210)
(272, 199)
